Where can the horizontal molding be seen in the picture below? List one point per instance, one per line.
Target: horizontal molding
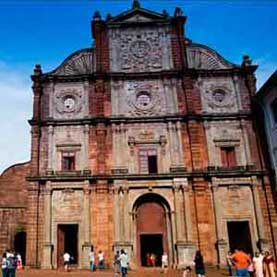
(143, 119)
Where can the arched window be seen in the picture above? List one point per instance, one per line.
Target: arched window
(274, 109)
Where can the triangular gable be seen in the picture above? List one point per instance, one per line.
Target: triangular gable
(138, 15)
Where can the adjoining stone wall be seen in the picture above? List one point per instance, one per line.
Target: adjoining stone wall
(13, 203)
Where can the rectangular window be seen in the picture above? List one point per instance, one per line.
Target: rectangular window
(148, 162)
(68, 161)
(228, 156)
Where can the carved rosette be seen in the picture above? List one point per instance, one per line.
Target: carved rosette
(68, 103)
(143, 99)
(218, 97)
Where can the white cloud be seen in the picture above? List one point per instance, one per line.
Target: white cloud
(15, 110)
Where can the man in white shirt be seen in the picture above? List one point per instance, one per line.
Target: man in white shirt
(91, 259)
(123, 262)
(101, 260)
(66, 260)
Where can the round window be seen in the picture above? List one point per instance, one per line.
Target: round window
(69, 103)
(219, 95)
(143, 99)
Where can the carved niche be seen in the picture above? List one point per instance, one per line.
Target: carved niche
(144, 98)
(218, 96)
(140, 50)
(68, 103)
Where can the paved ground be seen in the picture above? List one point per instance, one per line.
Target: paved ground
(139, 273)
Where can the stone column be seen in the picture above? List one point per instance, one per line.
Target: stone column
(180, 144)
(85, 163)
(50, 149)
(171, 144)
(47, 246)
(263, 243)
(86, 246)
(185, 247)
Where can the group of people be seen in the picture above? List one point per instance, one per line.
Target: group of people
(121, 261)
(10, 262)
(241, 264)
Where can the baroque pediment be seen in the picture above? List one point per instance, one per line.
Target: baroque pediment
(78, 63)
(202, 57)
(138, 15)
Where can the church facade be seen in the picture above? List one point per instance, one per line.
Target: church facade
(146, 142)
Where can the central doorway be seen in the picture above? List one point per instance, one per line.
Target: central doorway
(153, 228)
(151, 244)
(67, 242)
(240, 236)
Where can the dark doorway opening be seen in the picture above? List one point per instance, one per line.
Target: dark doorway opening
(151, 244)
(20, 245)
(240, 236)
(67, 242)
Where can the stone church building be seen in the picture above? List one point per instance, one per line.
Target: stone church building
(145, 141)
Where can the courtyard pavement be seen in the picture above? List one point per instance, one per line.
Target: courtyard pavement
(138, 273)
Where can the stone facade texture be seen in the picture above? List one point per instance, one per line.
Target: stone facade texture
(145, 137)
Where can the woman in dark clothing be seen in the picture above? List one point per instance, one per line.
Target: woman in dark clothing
(199, 264)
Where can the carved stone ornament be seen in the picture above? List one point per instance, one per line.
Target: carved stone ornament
(143, 99)
(202, 57)
(140, 51)
(68, 102)
(219, 97)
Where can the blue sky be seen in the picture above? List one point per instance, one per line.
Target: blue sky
(47, 31)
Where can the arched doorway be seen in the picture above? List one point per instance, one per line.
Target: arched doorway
(20, 245)
(153, 228)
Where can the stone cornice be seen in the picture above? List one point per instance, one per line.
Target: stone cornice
(205, 173)
(127, 120)
(194, 73)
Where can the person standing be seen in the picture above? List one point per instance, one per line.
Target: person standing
(251, 266)
(101, 260)
(199, 264)
(229, 263)
(116, 262)
(164, 262)
(4, 265)
(11, 264)
(66, 261)
(148, 259)
(269, 265)
(91, 259)
(258, 264)
(123, 263)
(153, 259)
(241, 261)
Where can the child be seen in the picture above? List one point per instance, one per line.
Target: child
(187, 272)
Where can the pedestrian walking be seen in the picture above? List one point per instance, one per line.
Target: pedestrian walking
(91, 260)
(4, 265)
(101, 260)
(116, 262)
(199, 264)
(251, 266)
(241, 261)
(269, 265)
(229, 263)
(258, 265)
(66, 261)
(123, 263)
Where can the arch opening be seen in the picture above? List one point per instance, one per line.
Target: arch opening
(153, 229)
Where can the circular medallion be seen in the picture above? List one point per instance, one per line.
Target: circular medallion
(140, 48)
(143, 99)
(219, 95)
(69, 103)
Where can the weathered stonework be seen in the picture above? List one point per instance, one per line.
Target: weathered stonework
(139, 121)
